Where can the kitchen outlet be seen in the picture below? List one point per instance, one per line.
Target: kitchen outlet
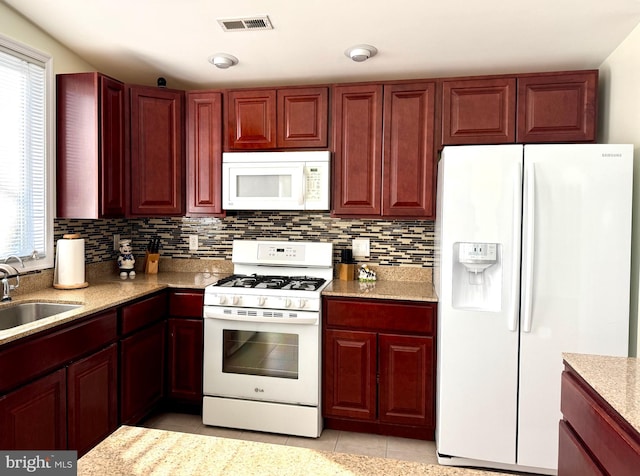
(360, 247)
(116, 242)
(193, 242)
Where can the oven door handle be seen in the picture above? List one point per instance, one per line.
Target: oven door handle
(212, 314)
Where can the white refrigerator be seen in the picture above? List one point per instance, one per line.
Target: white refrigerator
(534, 258)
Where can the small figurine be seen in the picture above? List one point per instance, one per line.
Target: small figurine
(366, 274)
(126, 261)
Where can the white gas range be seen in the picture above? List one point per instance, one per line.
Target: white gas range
(262, 338)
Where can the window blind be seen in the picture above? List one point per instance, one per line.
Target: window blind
(23, 161)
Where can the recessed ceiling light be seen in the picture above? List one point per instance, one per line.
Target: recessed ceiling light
(360, 53)
(223, 60)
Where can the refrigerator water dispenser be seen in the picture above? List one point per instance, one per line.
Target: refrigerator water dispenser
(477, 276)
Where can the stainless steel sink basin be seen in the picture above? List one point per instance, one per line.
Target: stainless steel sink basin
(19, 314)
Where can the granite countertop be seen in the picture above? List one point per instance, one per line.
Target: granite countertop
(102, 293)
(616, 379)
(106, 289)
(405, 283)
(401, 290)
(142, 451)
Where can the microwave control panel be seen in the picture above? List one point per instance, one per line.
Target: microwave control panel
(313, 176)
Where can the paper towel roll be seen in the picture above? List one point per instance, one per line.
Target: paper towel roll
(69, 271)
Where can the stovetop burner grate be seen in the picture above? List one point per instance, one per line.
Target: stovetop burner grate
(291, 283)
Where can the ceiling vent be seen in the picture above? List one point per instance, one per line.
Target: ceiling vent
(246, 24)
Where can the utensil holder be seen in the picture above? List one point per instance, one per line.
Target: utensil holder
(346, 272)
(151, 263)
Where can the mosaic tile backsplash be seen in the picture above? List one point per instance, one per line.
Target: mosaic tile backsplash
(393, 242)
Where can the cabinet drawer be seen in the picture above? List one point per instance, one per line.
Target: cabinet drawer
(574, 458)
(144, 312)
(610, 443)
(22, 362)
(186, 303)
(382, 315)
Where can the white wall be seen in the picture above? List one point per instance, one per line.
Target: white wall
(620, 123)
(16, 27)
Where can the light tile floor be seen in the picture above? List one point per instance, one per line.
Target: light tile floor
(331, 440)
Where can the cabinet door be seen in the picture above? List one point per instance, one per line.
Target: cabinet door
(302, 117)
(34, 417)
(92, 399)
(558, 107)
(409, 166)
(157, 151)
(357, 115)
(112, 144)
(406, 379)
(141, 372)
(204, 154)
(251, 119)
(479, 111)
(90, 156)
(185, 359)
(350, 374)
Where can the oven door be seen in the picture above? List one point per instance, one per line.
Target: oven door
(266, 361)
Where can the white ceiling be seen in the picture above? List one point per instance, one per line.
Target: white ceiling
(137, 41)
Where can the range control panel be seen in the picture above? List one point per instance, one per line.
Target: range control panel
(289, 252)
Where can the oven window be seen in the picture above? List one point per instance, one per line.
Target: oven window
(270, 354)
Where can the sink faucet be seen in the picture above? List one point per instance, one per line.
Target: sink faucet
(8, 272)
(5, 289)
(17, 258)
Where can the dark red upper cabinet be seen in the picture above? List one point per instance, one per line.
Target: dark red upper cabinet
(157, 151)
(527, 108)
(357, 168)
(302, 117)
(263, 119)
(251, 119)
(204, 153)
(384, 150)
(408, 160)
(557, 107)
(479, 111)
(91, 170)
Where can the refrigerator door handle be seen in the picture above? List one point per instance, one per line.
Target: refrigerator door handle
(527, 285)
(512, 323)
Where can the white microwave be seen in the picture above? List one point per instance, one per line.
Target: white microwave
(296, 180)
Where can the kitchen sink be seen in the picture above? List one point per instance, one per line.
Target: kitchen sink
(24, 313)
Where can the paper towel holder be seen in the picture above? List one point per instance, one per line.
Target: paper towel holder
(56, 283)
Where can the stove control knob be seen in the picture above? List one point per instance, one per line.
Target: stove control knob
(261, 300)
(236, 300)
(302, 303)
(222, 299)
(287, 302)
